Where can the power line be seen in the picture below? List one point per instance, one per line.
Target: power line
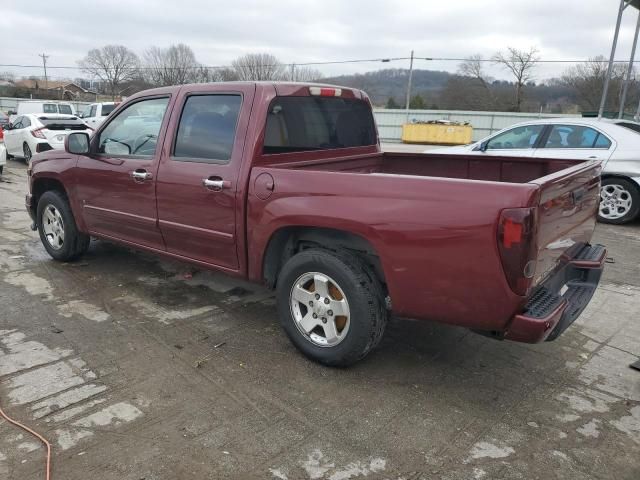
(330, 62)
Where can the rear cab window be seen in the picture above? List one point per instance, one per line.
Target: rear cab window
(65, 109)
(299, 124)
(49, 108)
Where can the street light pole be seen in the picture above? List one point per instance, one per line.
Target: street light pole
(408, 101)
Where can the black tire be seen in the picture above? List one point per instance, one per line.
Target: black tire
(363, 292)
(1, 169)
(633, 191)
(27, 153)
(75, 242)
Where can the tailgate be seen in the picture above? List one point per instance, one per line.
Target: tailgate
(567, 209)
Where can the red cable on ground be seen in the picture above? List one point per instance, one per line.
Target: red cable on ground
(35, 434)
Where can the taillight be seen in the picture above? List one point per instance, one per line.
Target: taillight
(38, 133)
(517, 246)
(325, 91)
(1, 135)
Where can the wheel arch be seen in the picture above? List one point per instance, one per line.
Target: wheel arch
(287, 241)
(44, 184)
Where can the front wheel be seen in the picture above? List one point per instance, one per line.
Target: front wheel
(619, 201)
(331, 306)
(57, 227)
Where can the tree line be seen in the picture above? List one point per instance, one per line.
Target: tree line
(117, 66)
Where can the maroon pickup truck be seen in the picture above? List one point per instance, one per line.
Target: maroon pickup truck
(285, 184)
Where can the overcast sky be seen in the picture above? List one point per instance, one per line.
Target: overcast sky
(313, 31)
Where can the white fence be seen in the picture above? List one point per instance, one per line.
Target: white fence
(390, 121)
(484, 123)
(11, 104)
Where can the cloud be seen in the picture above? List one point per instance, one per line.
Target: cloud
(313, 31)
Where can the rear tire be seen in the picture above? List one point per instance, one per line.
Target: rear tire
(27, 153)
(345, 284)
(619, 201)
(58, 231)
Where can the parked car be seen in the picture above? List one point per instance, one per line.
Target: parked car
(31, 133)
(43, 106)
(615, 142)
(96, 113)
(285, 184)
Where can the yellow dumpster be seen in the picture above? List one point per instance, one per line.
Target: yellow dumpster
(438, 133)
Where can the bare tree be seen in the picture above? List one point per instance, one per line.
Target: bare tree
(259, 66)
(302, 74)
(113, 64)
(473, 67)
(520, 63)
(587, 79)
(7, 76)
(174, 65)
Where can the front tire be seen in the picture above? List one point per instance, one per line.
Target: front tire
(331, 306)
(619, 201)
(57, 228)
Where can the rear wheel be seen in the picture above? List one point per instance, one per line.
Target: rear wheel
(27, 153)
(331, 306)
(619, 201)
(57, 227)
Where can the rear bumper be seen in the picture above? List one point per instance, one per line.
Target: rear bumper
(560, 300)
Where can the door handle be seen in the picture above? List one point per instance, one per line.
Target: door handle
(141, 175)
(215, 184)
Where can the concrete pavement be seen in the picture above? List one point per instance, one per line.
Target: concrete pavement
(136, 368)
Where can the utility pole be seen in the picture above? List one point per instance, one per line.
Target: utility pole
(406, 106)
(629, 69)
(44, 64)
(605, 90)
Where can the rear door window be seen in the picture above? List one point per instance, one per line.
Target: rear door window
(297, 124)
(576, 136)
(207, 128)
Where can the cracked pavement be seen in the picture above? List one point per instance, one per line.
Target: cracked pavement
(139, 368)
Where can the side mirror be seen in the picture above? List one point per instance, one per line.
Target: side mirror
(77, 143)
(483, 146)
(80, 115)
(8, 126)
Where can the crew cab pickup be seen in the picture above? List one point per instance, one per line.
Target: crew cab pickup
(286, 184)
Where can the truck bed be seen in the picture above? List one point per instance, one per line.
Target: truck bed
(489, 168)
(438, 216)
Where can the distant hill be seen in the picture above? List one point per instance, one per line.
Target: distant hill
(382, 84)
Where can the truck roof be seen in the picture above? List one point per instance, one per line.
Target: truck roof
(282, 87)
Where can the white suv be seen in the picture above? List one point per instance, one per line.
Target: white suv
(96, 113)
